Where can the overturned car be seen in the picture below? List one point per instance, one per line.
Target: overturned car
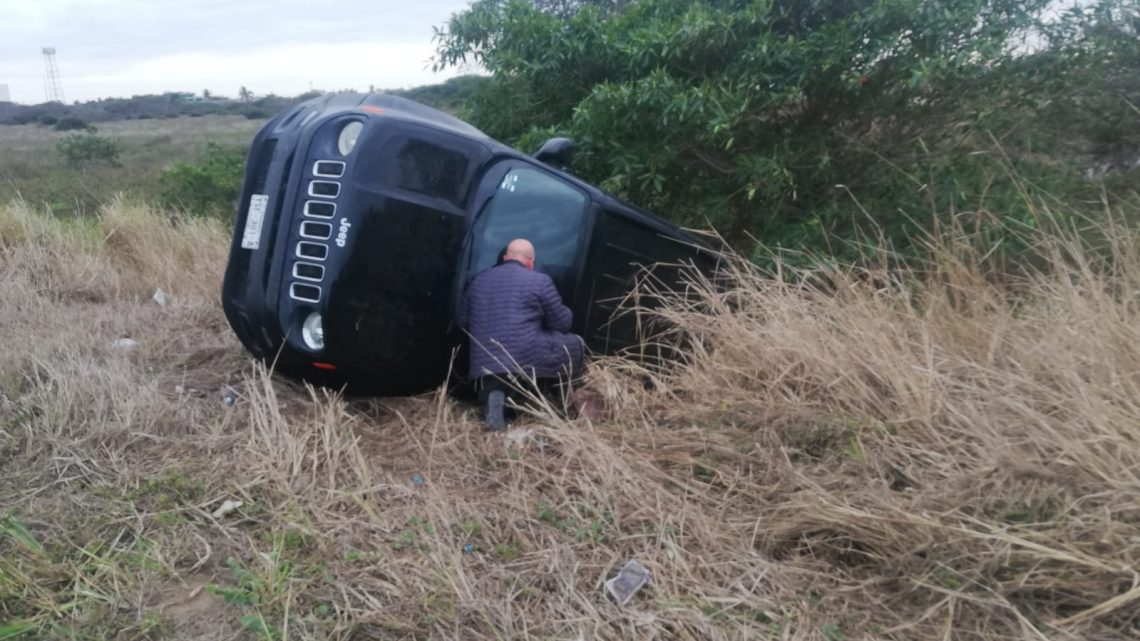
(363, 217)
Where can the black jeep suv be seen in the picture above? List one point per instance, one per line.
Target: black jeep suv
(363, 217)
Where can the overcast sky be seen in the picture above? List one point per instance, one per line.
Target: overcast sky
(118, 48)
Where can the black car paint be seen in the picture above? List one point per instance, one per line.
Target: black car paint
(389, 293)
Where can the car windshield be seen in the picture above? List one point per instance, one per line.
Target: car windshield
(533, 205)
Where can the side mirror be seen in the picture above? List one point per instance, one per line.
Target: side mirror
(556, 152)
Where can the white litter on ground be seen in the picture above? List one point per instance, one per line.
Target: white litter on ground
(229, 505)
(124, 344)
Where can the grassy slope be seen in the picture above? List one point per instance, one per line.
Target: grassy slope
(875, 456)
(892, 462)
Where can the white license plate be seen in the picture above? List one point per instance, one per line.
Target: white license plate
(251, 236)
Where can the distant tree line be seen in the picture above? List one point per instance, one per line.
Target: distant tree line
(448, 96)
(169, 105)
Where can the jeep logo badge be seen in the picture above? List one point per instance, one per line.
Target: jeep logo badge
(342, 233)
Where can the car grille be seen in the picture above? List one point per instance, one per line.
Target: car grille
(316, 230)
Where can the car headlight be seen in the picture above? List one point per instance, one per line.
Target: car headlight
(313, 332)
(348, 135)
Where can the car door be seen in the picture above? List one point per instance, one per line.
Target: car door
(522, 200)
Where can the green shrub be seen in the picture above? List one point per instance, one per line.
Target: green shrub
(802, 123)
(69, 123)
(209, 187)
(81, 149)
(48, 120)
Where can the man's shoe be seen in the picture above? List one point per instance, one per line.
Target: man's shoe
(493, 418)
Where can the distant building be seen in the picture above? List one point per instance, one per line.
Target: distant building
(4, 95)
(185, 96)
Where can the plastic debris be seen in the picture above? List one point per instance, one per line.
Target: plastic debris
(124, 344)
(522, 437)
(229, 396)
(629, 580)
(159, 297)
(417, 480)
(469, 548)
(229, 505)
(518, 437)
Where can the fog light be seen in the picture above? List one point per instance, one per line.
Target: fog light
(312, 332)
(348, 135)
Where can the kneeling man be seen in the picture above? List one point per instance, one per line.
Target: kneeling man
(518, 326)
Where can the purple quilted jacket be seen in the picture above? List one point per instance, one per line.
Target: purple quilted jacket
(517, 322)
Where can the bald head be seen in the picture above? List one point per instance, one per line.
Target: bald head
(520, 249)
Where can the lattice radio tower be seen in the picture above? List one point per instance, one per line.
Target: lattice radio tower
(52, 85)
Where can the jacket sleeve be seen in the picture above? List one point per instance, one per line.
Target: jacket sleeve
(556, 316)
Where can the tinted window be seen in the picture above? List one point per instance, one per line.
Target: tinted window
(544, 210)
(423, 167)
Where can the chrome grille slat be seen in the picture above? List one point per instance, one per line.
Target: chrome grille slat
(318, 209)
(315, 230)
(305, 293)
(312, 251)
(308, 271)
(324, 189)
(328, 168)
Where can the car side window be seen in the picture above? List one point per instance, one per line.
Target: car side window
(531, 204)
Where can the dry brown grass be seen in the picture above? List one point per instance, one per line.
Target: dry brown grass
(875, 455)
